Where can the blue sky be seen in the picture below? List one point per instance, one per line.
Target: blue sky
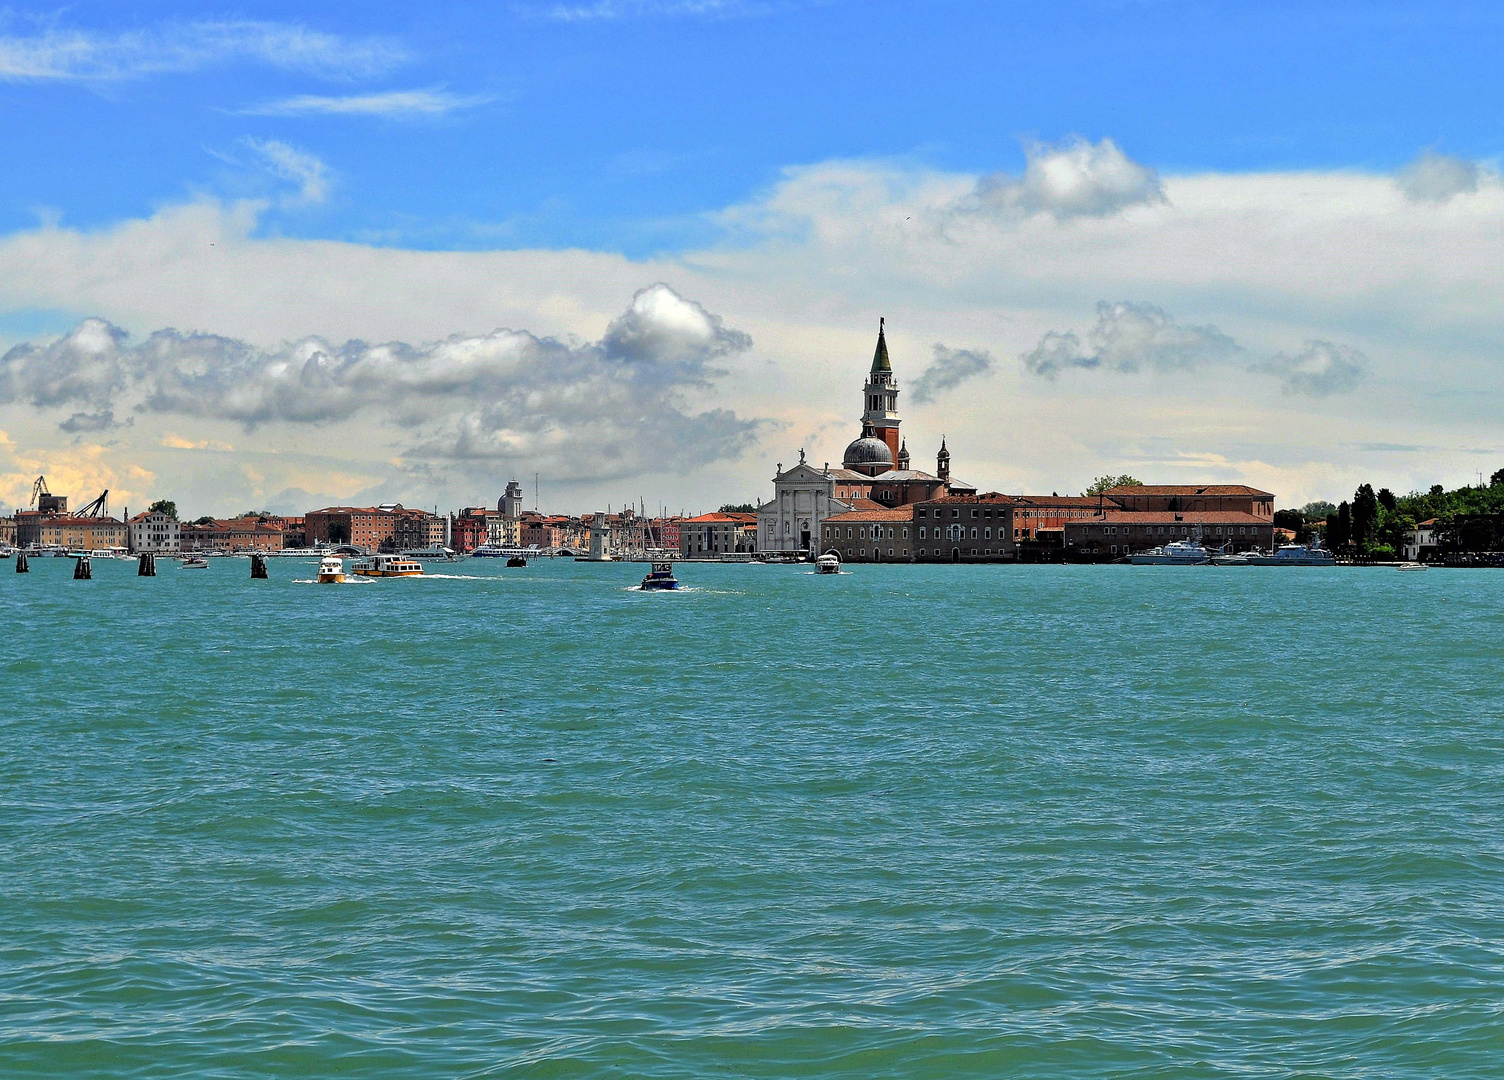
(620, 125)
(288, 255)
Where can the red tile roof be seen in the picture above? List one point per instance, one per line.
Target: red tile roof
(990, 498)
(1176, 517)
(896, 513)
(1188, 489)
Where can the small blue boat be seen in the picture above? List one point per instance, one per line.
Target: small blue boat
(660, 577)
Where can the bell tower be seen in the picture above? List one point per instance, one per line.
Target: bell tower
(880, 410)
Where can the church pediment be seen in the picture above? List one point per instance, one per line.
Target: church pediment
(800, 473)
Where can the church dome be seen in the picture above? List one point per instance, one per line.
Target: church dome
(868, 451)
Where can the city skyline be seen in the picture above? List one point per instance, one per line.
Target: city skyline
(340, 276)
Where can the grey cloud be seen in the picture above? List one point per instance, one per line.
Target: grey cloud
(81, 422)
(950, 368)
(1322, 368)
(1436, 178)
(83, 368)
(1077, 178)
(1131, 337)
(611, 407)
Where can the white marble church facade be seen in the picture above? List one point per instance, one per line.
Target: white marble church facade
(803, 497)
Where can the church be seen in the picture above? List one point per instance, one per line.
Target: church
(874, 472)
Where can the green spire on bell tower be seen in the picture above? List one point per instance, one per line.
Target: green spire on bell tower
(880, 361)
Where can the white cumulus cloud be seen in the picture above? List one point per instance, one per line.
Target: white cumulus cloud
(1077, 178)
(600, 409)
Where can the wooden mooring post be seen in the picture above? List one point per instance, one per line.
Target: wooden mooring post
(258, 566)
(83, 570)
(146, 565)
(21, 565)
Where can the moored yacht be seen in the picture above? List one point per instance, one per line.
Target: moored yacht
(1312, 554)
(433, 551)
(1175, 553)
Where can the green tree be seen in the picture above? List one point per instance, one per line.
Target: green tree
(1319, 510)
(1103, 483)
(1339, 528)
(1365, 516)
(1496, 479)
(205, 520)
(1387, 500)
(164, 506)
(738, 508)
(1293, 520)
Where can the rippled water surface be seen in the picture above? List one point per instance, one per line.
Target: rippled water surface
(908, 821)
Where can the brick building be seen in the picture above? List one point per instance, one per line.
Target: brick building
(414, 529)
(712, 534)
(36, 529)
(884, 534)
(966, 528)
(365, 527)
(232, 534)
(1203, 498)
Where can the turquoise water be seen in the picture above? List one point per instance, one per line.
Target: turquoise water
(909, 821)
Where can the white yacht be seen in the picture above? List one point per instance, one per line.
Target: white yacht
(828, 564)
(433, 551)
(331, 570)
(1312, 554)
(1175, 553)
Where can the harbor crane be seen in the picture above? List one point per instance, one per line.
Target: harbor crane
(98, 508)
(38, 490)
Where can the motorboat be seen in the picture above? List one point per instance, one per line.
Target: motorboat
(1229, 559)
(331, 570)
(1411, 566)
(660, 577)
(498, 551)
(828, 564)
(1175, 553)
(387, 566)
(1312, 554)
(433, 551)
(194, 562)
(516, 560)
